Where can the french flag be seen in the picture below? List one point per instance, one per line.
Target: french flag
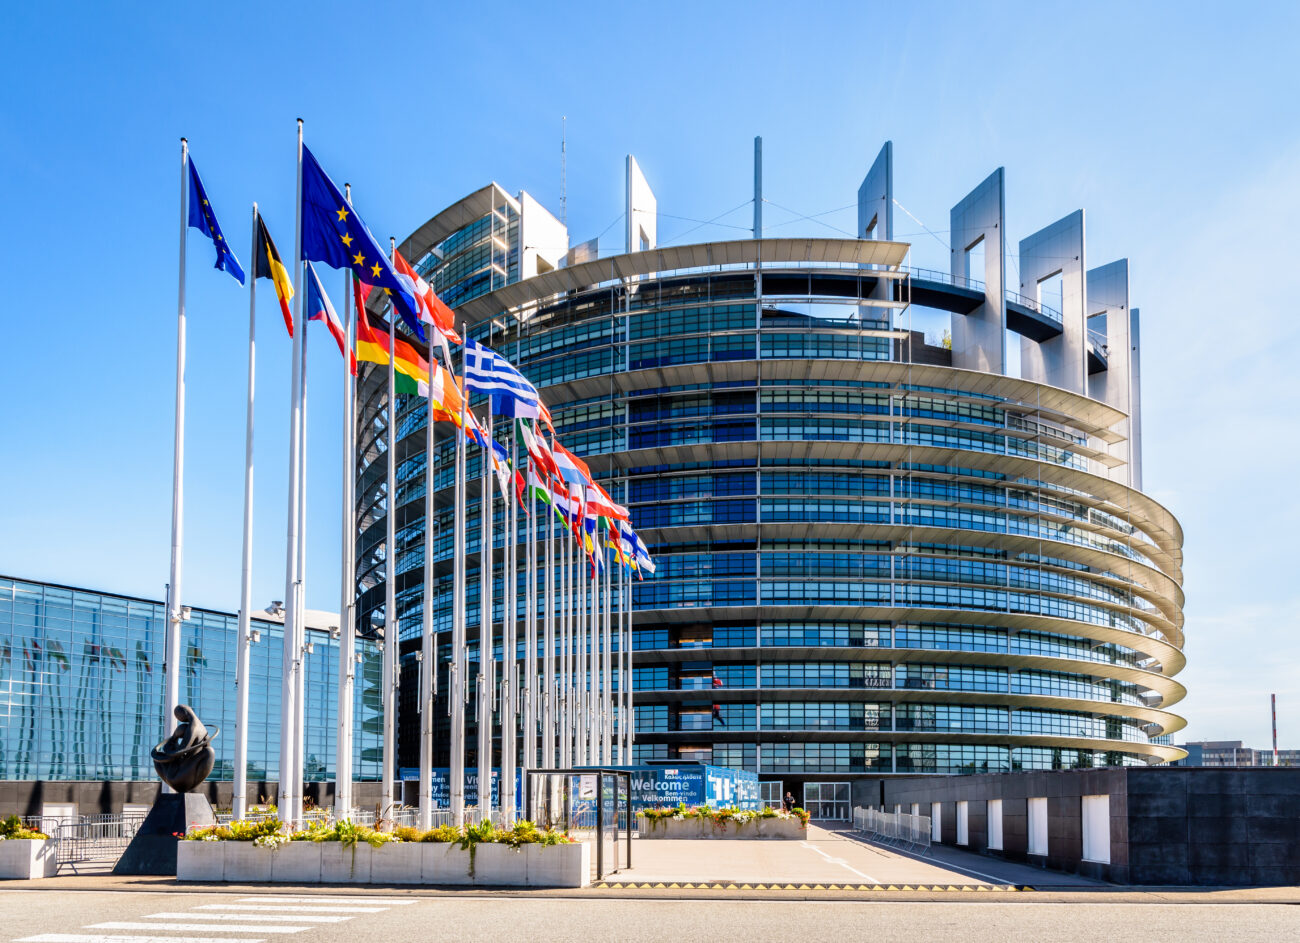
(320, 309)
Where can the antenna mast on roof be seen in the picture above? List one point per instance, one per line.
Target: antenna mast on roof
(564, 156)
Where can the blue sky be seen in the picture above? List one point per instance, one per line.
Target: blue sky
(1175, 126)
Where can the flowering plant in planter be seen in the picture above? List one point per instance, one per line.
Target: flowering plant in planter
(13, 828)
(719, 817)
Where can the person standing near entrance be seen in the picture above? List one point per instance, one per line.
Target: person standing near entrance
(788, 802)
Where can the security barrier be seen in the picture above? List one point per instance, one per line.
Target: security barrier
(894, 828)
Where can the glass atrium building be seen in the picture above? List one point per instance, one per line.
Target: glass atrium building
(81, 688)
(877, 553)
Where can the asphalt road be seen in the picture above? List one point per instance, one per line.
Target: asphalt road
(142, 916)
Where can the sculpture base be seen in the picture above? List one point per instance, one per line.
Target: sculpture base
(153, 849)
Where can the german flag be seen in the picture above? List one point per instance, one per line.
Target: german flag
(412, 370)
(268, 265)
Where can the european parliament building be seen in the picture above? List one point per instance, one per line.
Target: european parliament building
(877, 553)
(880, 551)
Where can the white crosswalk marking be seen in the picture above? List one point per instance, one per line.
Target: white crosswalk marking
(297, 918)
(108, 938)
(284, 908)
(327, 899)
(219, 927)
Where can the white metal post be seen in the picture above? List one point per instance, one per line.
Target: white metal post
(428, 648)
(391, 629)
(172, 638)
(347, 593)
(289, 653)
(243, 631)
(456, 693)
(487, 665)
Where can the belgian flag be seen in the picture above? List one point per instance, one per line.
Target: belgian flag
(268, 265)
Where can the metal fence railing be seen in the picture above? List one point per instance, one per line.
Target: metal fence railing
(895, 828)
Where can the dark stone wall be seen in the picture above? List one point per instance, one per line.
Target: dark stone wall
(1168, 825)
(96, 798)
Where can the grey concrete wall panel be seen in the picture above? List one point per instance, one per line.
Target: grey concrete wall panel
(1135, 384)
(1108, 311)
(876, 212)
(979, 338)
(1061, 361)
(876, 198)
(1168, 825)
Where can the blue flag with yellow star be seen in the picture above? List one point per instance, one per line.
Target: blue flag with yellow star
(205, 221)
(333, 233)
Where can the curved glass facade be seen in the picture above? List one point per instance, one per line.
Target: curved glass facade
(868, 561)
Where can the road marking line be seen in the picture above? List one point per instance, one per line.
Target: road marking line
(841, 862)
(108, 938)
(219, 927)
(283, 908)
(330, 899)
(301, 918)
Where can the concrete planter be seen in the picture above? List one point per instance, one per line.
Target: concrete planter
(757, 829)
(27, 858)
(304, 862)
(298, 862)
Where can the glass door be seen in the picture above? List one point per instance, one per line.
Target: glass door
(827, 801)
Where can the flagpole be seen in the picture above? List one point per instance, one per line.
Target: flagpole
(528, 758)
(548, 642)
(486, 656)
(622, 660)
(171, 658)
(240, 789)
(391, 630)
(630, 717)
(456, 671)
(509, 641)
(606, 681)
(347, 591)
(428, 648)
(289, 655)
(300, 623)
(594, 695)
(562, 681)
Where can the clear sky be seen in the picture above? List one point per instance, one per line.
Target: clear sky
(1177, 127)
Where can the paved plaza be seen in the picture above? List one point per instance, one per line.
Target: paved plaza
(826, 857)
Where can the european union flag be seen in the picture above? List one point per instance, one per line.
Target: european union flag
(205, 221)
(333, 233)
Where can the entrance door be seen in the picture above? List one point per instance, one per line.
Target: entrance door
(827, 801)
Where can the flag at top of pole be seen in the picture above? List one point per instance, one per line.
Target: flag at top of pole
(320, 309)
(333, 233)
(204, 220)
(486, 371)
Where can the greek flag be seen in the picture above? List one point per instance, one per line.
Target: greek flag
(486, 371)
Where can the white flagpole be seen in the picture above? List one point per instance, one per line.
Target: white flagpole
(300, 624)
(509, 639)
(456, 670)
(628, 712)
(562, 679)
(290, 657)
(172, 645)
(596, 691)
(606, 680)
(428, 647)
(391, 640)
(585, 680)
(622, 662)
(486, 657)
(347, 592)
(548, 643)
(529, 752)
(240, 790)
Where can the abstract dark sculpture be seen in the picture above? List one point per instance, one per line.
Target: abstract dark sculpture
(183, 761)
(185, 758)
